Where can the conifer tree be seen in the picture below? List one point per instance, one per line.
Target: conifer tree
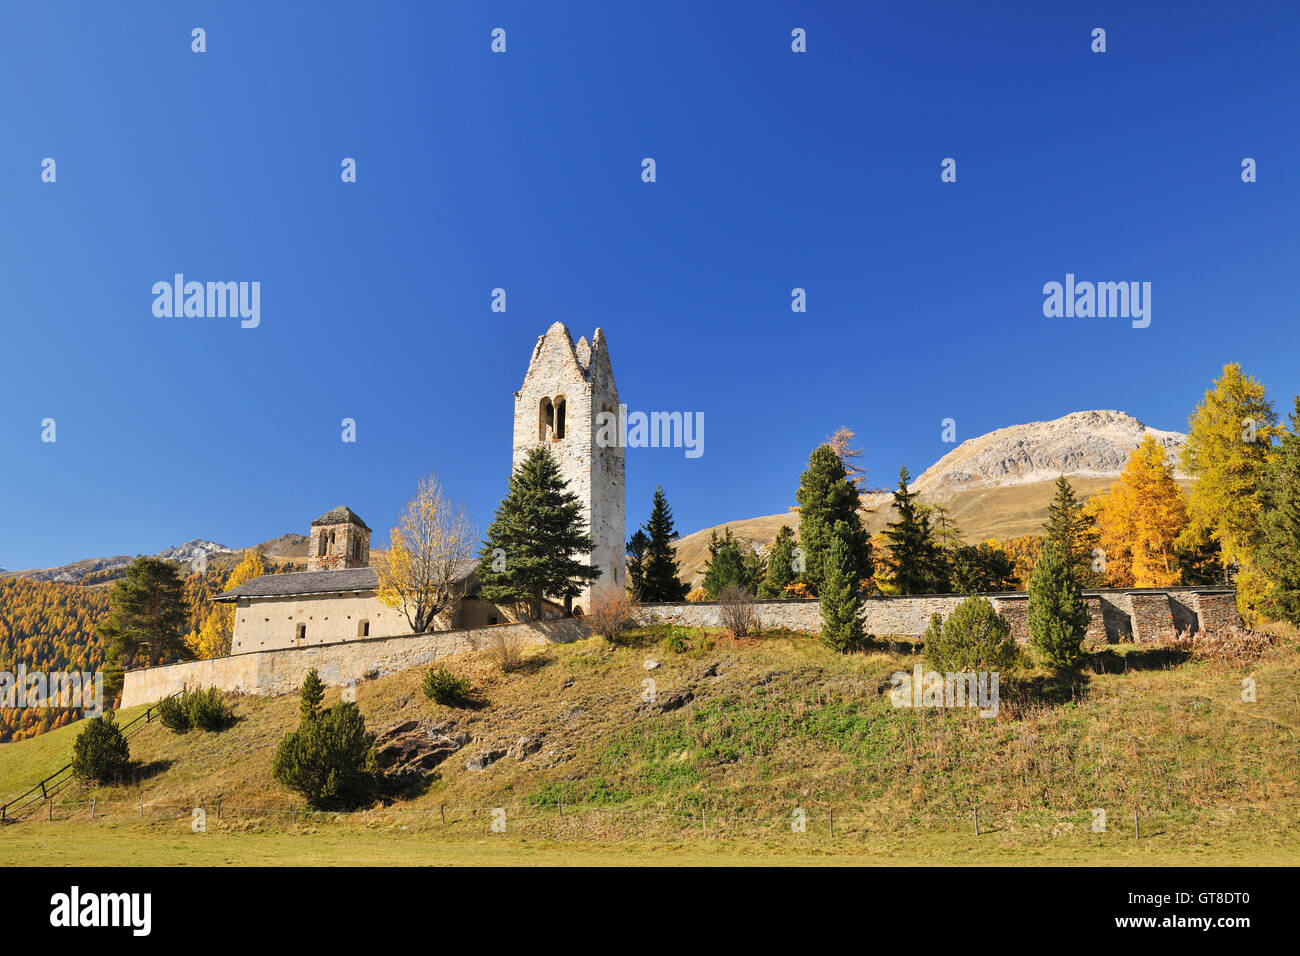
(827, 495)
(780, 565)
(1058, 616)
(636, 546)
(1139, 520)
(659, 563)
(1067, 528)
(726, 565)
(147, 622)
(1279, 552)
(1229, 443)
(918, 560)
(841, 592)
(538, 528)
(310, 696)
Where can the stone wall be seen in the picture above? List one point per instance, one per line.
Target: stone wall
(282, 671)
(1147, 616)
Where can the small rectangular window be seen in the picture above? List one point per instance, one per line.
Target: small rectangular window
(363, 629)
(302, 632)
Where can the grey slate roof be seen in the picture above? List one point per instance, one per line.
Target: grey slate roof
(300, 583)
(340, 515)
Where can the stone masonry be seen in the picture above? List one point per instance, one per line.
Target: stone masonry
(281, 671)
(1146, 616)
(564, 390)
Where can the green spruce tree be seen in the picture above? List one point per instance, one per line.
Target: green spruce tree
(636, 546)
(659, 564)
(538, 528)
(1279, 520)
(726, 565)
(841, 592)
(1067, 527)
(827, 496)
(918, 560)
(146, 623)
(1058, 616)
(780, 566)
(310, 696)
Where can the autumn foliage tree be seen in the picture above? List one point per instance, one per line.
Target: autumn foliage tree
(214, 635)
(1228, 450)
(1139, 520)
(423, 573)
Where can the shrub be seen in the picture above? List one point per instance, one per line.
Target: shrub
(675, 641)
(444, 687)
(172, 715)
(204, 709)
(329, 759)
(1230, 645)
(1058, 617)
(506, 648)
(737, 612)
(696, 595)
(975, 637)
(207, 710)
(611, 613)
(100, 753)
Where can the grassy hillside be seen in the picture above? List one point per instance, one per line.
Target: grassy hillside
(1006, 512)
(779, 723)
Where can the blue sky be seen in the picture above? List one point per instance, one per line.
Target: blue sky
(522, 170)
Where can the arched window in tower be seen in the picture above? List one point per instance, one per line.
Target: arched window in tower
(559, 416)
(331, 542)
(320, 548)
(545, 420)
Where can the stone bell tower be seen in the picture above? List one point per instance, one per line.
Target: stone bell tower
(566, 387)
(339, 539)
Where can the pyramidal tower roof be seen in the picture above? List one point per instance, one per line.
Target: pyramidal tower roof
(340, 515)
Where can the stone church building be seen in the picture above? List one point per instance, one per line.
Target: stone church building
(566, 387)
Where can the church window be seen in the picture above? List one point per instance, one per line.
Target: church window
(363, 629)
(545, 420)
(320, 549)
(559, 416)
(302, 632)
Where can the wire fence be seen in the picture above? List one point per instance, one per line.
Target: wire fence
(558, 819)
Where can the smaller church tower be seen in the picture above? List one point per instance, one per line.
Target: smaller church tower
(339, 539)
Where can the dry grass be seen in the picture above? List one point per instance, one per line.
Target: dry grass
(1226, 645)
(779, 722)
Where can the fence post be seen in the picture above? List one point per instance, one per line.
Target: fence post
(51, 801)
(92, 807)
(559, 805)
(441, 814)
(141, 803)
(976, 811)
(1137, 827)
(831, 814)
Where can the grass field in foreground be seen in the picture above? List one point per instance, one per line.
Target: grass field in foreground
(773, 724)
(109, 843)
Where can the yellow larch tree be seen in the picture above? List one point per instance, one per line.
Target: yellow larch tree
(1139, 519)
(215, 633)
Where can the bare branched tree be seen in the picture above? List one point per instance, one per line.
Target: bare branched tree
(423, 573)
